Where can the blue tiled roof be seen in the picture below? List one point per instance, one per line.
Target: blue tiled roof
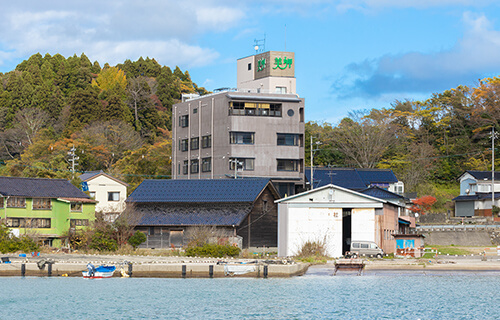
(483, 175)
(203, 190)
(380, 193)
(351, 178)
(372, 176)
(89, 174)
(477, 196)
(227, 214)
(39, 188)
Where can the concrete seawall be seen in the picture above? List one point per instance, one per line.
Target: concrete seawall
(154, 270)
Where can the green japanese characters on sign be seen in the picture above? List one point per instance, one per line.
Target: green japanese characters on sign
(261, 64)
(282, 63)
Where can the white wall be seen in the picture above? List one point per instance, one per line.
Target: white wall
(299, 225)
(363, 224)
(101, 185)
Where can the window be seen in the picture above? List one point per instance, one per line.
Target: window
(92, 194)
(16, 222)
(183, 145)
(288, 165)
(301, 114)
(40, 223)
(206, 164)
(264, 205)
(77, 206)
(237, 108)
(289, 139)
(185, 167)
(16, 202)
(364, 245)
(249, 66)
(281, 90)
(41, 203)
(195, 166)
(195, 143)
(206, 141)
(246, 164)
(1, 202)
(113, 196)
(184, 121)
(195, 110)
(241, 137)
(78, 223)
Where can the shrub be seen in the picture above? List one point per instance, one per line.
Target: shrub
(312, 249)
(136, 239)
(10, 243)
(102, 241)
(213, 250)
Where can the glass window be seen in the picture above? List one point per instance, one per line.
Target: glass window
(78, 223)
(16, 222)
(1, 202)
(16, 202)
(241, 137)
(183, 145)
(77, 206)
(288, 165)
(41, 203)
(185, 167)
(246, 164)
(206, 164)
(40, 223)
(184, 121)
(281, 90)
(194, 166)
(113, 196)
(206, 141)
(364, 246)
(195, 110)
(289, 139)
(195, 143)
(237, 108)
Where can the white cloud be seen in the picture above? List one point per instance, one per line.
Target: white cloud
(115, 30)
(473, 56)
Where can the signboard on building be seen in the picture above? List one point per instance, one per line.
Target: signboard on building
(274, 64)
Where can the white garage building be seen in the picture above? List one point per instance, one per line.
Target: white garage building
(335, 216)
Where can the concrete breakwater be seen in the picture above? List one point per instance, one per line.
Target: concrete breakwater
(197, 269)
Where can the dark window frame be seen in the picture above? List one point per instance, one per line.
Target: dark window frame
(206, 141)
(195, 143)
(241, 137)
(288, 165)
(206, 164)
(195, 166)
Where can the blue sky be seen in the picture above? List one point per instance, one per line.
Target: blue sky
(349, 54)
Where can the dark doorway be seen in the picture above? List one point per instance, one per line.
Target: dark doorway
(346, 230)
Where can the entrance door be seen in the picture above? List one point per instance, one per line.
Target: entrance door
(346, 230)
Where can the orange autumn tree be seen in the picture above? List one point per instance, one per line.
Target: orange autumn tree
(422, 205)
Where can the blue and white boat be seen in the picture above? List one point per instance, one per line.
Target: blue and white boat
(98, 272)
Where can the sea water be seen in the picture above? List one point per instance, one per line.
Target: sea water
(319, 296)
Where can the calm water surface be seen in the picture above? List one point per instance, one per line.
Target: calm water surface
(465, 296)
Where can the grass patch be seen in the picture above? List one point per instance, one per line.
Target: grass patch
(451, 250)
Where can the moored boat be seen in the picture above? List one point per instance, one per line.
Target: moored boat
(98, 272)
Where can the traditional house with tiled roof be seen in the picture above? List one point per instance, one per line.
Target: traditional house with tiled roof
(242, 208)
(355, 178)
(45, 208)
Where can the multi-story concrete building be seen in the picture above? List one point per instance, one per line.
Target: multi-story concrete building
(256, 130)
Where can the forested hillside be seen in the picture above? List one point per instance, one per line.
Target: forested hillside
(117, 118)
(428, 144)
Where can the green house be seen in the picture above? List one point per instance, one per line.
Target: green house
(46, 209)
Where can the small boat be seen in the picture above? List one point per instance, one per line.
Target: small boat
(98, 272)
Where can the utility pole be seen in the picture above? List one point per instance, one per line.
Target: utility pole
(312, 164)
(493, 137)
(72, 160)
(235, 162)
(312, 161)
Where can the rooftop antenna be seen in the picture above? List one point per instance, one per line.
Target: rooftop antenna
(260, 45)
(285, 36)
